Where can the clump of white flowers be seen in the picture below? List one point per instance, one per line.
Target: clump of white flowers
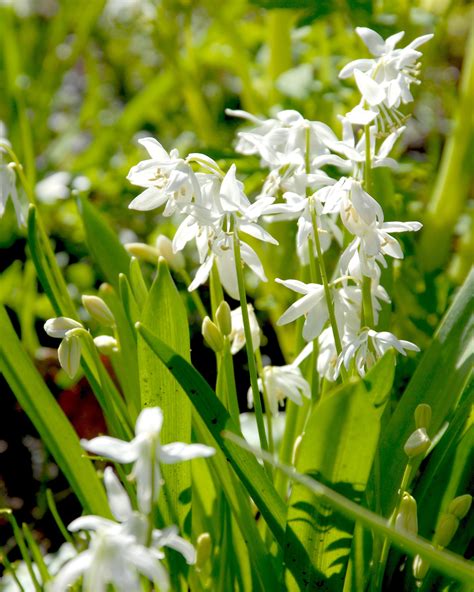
(340, 312)
(119, 552)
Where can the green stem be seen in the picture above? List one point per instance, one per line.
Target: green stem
(386, 542)
(268, 412)
(10, 569)
(327, 290)
(151, 514)
(57, 518)
(248, 343)
(368, 312)
(232, 398)
(217, 295)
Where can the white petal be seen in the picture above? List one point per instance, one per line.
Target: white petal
(147, 564)
(112, 448)
(119, 501)
(296, 285)
(69, 355)
(72, 571)
(178, 451)
(59, 326)
(372, 92)
(362, 64)
(373, 41)
(149, 421)
(91, 523)
(149, 199)
(202, 273)
(154, 149)
(361, 116)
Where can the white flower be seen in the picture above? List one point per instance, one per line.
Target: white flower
(222, 253)
(147, 453)
(69, 351)
(358, 348)
(281, 382)
(283, 140)
(8, 190)
(327, 356)
(167, 178)
(54, 187)
(356, 207)
(385, 81)
(355, 152)
(312, 305)
(237, 335)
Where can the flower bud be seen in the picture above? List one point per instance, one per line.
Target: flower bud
(423, 416)
(460, 506)
(98, 310)
(59, 326)
(69, 355)
(106, 344)
(418, 443)
(223, 318)
(446, 529)
(203, 549)
(420, 567)
(164, 247)
(212, 335)
(143, 251)
(407, 519)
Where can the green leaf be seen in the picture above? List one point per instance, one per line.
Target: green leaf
(165, 315)
(49, 419)
(104, 246)
(438, 381)
(217, 419)
(337, 447)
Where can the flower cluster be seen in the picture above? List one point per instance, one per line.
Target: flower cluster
(120, 551)
(340, 312)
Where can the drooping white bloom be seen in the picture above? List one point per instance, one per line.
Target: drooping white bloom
(69, 351)
(364, 356)
(167, 178)
(147, 453)
(281, 382)
(237, 336)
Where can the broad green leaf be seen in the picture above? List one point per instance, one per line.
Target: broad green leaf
(337, 447)
(164, 314)
(446, 562)
(217, 419)
(438, 381)
(49, 419)
(104, 246)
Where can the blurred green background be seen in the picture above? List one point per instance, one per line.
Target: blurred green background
(82, 80)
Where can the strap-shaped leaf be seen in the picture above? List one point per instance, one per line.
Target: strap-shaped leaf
(104, 246)
(217, 419)
(49, 419)
(165, 315)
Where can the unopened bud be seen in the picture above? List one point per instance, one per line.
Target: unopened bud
(164, 247)
(423, 416)
(420, 567)
(143, 251)
(224, 318)
(60, 326)
(203, 549)
(98, 310)
(460, 506)
(106, 344)
(69, 355)
(446, 529)
(407, 519)
(212, 335)
(418, 443)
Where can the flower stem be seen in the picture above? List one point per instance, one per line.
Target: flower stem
(367, 282)
(386, 542)
(249, 345)
(268, 412)
(232, 398)
(327, 290)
